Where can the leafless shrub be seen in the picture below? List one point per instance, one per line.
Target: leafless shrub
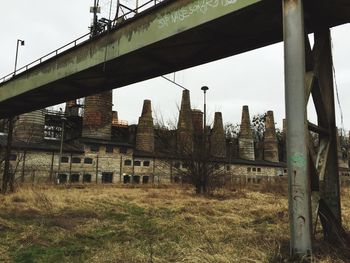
(42, 201)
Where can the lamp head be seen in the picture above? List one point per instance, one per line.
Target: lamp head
(204, 88)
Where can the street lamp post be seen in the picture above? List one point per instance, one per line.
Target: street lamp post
(205, 88)
(19, 42)
(204, 164)
(7, 177)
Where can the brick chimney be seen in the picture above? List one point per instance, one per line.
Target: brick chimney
(145, 129)
(245, 139)
(185, 125)
(270, 139)
(72, 108)
(97, 120)
(197, 119)
(29, 127)
(217, 138)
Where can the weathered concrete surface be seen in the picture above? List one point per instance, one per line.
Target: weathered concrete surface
(173, 36)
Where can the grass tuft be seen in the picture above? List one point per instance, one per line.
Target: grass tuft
(165, 224)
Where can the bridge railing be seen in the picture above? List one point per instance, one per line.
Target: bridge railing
(126, 14)
(46, 57)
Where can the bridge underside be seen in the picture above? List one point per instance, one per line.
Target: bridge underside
(256, 25)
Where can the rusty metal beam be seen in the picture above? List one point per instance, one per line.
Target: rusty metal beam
(330, 188)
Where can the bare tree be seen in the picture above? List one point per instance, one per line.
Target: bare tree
(193, 161)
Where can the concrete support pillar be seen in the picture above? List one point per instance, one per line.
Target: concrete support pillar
(297, 152)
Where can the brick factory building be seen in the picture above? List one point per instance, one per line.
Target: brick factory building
(99, 148)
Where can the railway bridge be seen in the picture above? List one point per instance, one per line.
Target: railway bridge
(174, 35)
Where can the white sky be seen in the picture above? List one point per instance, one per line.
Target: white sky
(254, 78)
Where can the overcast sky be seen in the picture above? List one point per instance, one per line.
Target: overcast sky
(254, 78)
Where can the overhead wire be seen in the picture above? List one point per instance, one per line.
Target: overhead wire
(175, 83)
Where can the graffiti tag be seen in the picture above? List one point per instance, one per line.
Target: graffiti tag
(198, 7)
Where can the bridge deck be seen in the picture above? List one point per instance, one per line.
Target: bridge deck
(171, 36)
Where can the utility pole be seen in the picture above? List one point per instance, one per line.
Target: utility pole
(95, 10)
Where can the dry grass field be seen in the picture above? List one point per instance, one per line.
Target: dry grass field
(114, 224)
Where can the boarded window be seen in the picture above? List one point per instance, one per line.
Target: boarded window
(177, 179)
(107, 178)
(126, 179)
(62, 178)
(76, 160)
(109, 149)
(127, 162)
(136, 179)
(137, 163)
(74, 178)
(123, 150)
(88, 160)
(145, 163)
(185, 165)
(64, 159)
(87, 178)
(145, 179)
(94, 148)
